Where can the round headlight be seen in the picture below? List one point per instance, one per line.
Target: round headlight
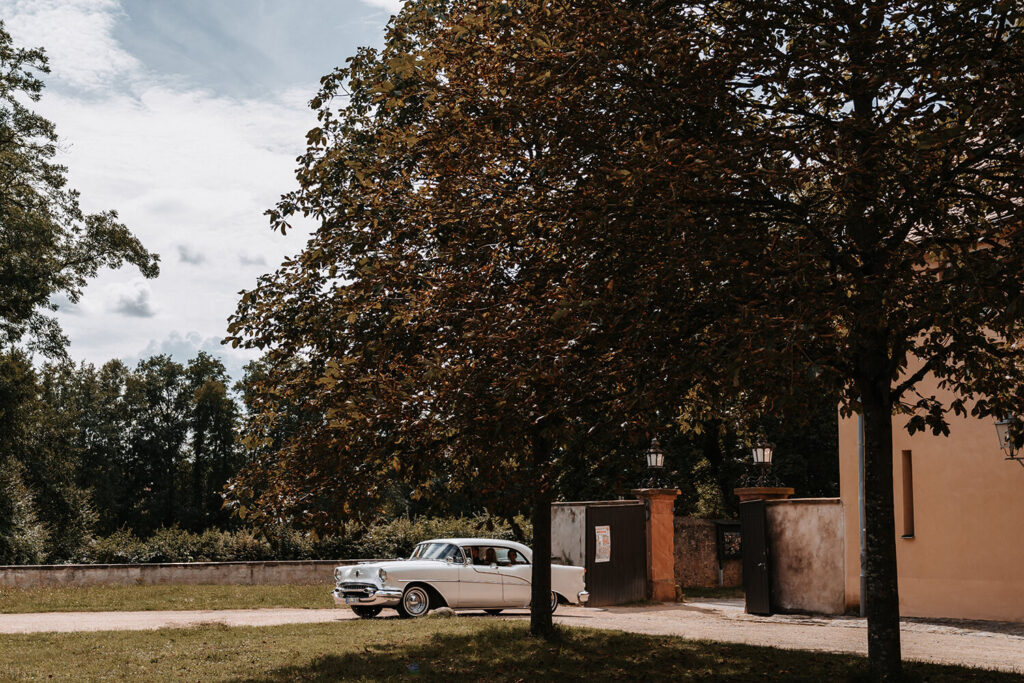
(382, 574)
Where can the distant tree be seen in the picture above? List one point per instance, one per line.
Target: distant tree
(23, 537)
(34, 441)
(151, 446)
(102, 431)
(213, 455)
(156, 402)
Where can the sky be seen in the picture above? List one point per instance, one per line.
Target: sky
(184, 116)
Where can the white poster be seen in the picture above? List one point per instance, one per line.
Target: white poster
(603, 546)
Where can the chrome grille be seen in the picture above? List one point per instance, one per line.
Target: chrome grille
(361, 590)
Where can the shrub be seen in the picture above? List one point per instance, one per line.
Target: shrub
(393, 538)
(120, 547)
(397, 537)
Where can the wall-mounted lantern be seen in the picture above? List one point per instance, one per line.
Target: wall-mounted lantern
(1008, 441)
(762, 453)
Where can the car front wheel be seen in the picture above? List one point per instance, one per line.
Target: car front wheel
(415, 602)
(367, 612)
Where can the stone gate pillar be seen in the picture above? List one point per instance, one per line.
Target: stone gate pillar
(661, 556)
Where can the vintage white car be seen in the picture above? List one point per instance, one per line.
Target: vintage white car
(460, 573)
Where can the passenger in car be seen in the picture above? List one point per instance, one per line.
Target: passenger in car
(490, 557)
(513, 557)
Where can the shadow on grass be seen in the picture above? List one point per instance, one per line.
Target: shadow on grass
(505, 652)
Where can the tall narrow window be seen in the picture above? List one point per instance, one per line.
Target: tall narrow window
(908, 495)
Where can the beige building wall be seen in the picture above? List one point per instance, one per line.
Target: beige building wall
(965, 558)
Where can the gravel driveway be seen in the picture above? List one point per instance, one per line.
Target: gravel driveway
(983, 644)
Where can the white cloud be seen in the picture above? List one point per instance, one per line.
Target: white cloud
(250, 260)
(65, 306)
(393, 6)
(187, 254)
(132, 299)
(77, 35)
(191, 174)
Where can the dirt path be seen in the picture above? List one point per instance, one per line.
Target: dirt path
(981, 644)
(142, 621)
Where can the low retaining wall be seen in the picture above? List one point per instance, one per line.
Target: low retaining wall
(696, 549)
(806, 541)
(219, 573)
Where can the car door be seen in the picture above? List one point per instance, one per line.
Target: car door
(516, 580)
(479, 583)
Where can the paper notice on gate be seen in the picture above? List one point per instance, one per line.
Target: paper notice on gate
(603, 546)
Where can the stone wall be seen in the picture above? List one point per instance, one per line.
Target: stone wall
(221, 573)
(806, 543)
(697, 557)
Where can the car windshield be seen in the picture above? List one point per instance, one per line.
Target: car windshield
(436, 551)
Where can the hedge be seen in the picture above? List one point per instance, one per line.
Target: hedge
(394, 538)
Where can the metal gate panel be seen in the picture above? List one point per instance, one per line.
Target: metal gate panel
(623, 578)
(756, 576)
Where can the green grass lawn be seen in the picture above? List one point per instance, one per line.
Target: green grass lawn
(130, 598)
(122, 598)
(433, 649)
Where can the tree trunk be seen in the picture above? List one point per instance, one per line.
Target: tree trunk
(541, 624)
(881, 586)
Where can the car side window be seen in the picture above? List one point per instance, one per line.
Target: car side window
(510, 556)
(453, 553)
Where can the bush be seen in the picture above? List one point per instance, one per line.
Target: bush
(397, 538)
(394, 538)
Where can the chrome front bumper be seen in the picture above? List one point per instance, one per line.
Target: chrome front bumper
(385, 597)
(583, 596)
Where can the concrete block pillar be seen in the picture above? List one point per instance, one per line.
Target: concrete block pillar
(661, 557)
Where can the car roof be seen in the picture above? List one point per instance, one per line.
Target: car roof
(483, 541)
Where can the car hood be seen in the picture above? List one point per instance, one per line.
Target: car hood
(369, 569)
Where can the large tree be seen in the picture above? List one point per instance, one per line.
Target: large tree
(461, 312)
(888, 246)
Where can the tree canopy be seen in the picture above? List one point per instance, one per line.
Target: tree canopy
(487, 297)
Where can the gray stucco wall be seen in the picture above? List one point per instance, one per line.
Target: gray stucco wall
(568, 534)
(220, 573)
(807, 545)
